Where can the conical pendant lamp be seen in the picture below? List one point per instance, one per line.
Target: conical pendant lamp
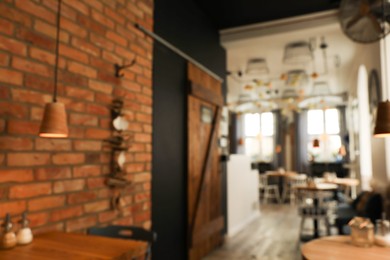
(54, 123)
(382, 126)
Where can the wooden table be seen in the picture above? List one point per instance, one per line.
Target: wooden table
(348, 184)
(340, 248)
(319, 187)
(73, 246)
(280, 174)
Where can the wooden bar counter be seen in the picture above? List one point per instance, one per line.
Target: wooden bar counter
(60, 245)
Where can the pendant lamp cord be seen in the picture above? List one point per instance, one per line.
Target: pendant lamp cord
(384, 47)
(57, 52)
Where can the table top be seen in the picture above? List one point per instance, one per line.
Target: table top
(340, 248)
(317, 187)
(61, 246)
(281, 174)
(344, 181)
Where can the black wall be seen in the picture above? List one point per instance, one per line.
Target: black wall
(181, 23)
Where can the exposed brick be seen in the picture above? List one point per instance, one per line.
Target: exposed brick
(68, 158)
(78, 5)
(67, 186)
(23, 127)
(137, 147)
(86, 171)
(53, 173)
(131, 85)
(29, 190)
(83, 119)
(16, 175)
(116, 38)
(142, 177)
(49, 228)
(141, 197)
(41, 55)
(15, 15)
(143, 157)
(82, 69)
(29, 96)
(100, 86)
(85, 46)
(142, 138)
(13, 110)
(31, 67)
(36, 10)
(93, 183)
(107, 216)
(12, 46)
(38, 83)
(142, 217)
(6, 27)
(73, 28)
(45, 28)
(13, 207)
(69, 212)
(2, 157)
(102, 19)
(114, 16)
(101, 42)
(73, 54)
(96, 4)
(4, 59)
(111, 57)
(135, 167)
(97, 133)
(46, 203)
(38, 219)
(97, 109)
(84, 145)
(97, 206)
(27, 159)
(15, 143)
(76, 132)
(80, 223)
(47, 144)
(77, 92)
(36, 39)
(72, 78)
(81, 197)
(144, 118)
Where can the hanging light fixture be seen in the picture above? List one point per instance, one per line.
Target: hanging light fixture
(382, 124)
(316, 143)
(54, 123)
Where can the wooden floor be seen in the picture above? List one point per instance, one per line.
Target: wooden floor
(273, 236)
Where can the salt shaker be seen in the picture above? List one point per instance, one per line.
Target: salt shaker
(24, 235)
(8, 240)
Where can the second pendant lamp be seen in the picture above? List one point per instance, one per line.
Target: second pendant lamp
(54, 124)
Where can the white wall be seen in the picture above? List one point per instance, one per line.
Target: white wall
(242, 193)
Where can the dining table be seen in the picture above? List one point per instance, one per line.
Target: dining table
(75, 246)
(315, 188)
(282, 177)
(341, 248)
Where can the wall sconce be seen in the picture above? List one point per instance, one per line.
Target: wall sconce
(53, 123)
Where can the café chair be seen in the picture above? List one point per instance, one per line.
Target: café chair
(126, 232)
(289, 191)
(270, 191)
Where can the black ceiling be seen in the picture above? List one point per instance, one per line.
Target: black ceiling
(233, 13)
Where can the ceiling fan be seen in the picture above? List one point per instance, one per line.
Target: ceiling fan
(365, 21)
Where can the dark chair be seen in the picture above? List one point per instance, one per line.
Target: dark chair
(126, 232)
(367, 204)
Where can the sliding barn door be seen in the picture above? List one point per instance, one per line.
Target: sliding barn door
(205, 220)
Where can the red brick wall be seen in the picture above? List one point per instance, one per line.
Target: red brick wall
(61, 182)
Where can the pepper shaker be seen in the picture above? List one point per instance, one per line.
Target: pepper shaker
(8, 240)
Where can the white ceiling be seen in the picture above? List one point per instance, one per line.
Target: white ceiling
(268, 41)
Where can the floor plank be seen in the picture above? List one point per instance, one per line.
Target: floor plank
(274, 236)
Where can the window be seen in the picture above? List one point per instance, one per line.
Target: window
(324, 126)
(259, 136)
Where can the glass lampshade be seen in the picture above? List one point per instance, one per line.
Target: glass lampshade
(297, 52)
(257, 66)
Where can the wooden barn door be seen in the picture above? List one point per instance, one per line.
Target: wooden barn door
(205, 220)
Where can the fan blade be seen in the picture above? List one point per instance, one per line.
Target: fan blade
(375, 23)
(353, 21)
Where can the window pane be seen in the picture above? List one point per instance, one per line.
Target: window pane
(315, 122)
(251, 124)
(267, 148)
(252, 147)
(267, 124)
(332, 124)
